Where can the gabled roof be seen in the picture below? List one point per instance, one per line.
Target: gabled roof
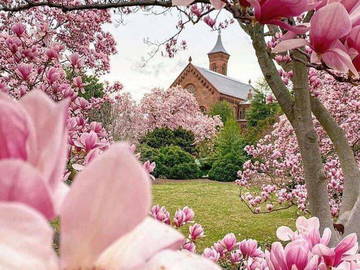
(226, 85)
(218, 46)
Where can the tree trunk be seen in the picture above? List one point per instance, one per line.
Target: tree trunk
(298, 112)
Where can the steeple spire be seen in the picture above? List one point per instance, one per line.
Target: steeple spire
(218, 45)
(218, 57)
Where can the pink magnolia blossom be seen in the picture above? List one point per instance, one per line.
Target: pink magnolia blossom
(229, 241)
(249, 248)
(329, 24)
(211, 254)
(93, 235)
(33, 151)
(196, 231)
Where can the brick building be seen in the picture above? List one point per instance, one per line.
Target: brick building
(212, 85)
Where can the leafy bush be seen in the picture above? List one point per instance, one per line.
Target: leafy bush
(226, 167)
(185, 171)
(171, 162)
(161, 137)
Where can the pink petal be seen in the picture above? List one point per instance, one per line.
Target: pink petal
(137, 247)
(276, 9)
(353, 40)
(217, 4)
(179, 260)
(346, 245)
(20, 182)
(329, 24)
(15, 129)
(284, 233)
(181, 2)
(49, 155)
(289, 44)
(339, 60)
(26, 239)
(59, 195)
(325, 239)
(107, 200)
(277, 255)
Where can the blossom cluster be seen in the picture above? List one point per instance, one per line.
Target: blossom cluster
(181, 218)
(277, 156)
(305, 249)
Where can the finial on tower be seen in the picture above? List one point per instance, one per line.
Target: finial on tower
(190, 59)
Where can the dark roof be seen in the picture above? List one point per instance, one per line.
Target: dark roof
(218, 46)
(226, 85)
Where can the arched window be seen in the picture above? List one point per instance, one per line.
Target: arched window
(203, 109)
(213, 67)
(191, 88)
(241, 113)
(223, 69)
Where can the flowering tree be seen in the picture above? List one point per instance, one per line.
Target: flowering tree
(277, 155)
(176, 107)
(49, 50)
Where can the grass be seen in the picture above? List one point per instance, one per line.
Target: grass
(218, 209)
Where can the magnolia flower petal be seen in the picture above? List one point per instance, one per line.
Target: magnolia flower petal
(107, 200)
(329, 24)
(26, 239)
(15, 129)
(20, 182)
(135, 248)
(59, 195)
(282, 8)
(284, 233)
(339, 60)
(289, 44)
(179, 260)
(49, 121)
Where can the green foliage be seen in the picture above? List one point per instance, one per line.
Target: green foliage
(260, 111)
(260, 116)
(226, 167)
(229, 153)
(161, 137)
(171, 162)
(229, 139)
(93, 87)
(223, 109)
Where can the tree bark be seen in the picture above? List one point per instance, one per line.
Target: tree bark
(298, 112)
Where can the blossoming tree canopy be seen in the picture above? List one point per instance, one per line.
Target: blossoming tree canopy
(176, 107)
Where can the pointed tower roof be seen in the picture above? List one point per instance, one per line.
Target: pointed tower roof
(218, 46)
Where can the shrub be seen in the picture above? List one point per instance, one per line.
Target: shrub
(161, 137)
(229, 154)
(225, 168)
(223, 109)
(185, 171)
(171, 162)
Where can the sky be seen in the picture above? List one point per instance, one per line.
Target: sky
(127, 65)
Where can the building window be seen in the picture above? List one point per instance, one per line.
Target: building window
(241, 113)
(213, 67)
(191, 88)
(223, 69)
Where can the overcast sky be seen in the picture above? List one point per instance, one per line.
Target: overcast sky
(161, 71)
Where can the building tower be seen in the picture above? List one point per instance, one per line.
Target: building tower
(218, 57)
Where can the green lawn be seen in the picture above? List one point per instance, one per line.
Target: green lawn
(218, 209)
